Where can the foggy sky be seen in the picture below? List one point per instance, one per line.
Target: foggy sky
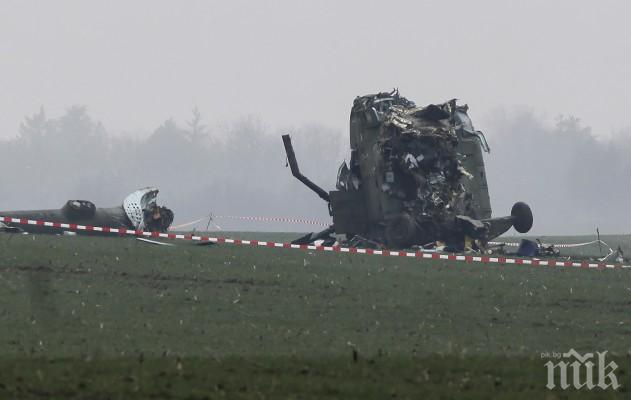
(292, 62)
(259, 69)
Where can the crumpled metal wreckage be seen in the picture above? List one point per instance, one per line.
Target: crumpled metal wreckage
(139, 211)
(416, 177)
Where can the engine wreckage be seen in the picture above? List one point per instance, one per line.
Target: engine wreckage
(139, 211)
(416, 177)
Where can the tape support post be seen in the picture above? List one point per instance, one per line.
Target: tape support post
(352, 250)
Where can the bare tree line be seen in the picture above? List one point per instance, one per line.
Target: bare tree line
(573, 181)
(236, 169)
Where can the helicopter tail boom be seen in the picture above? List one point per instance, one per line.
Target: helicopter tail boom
(295, 171)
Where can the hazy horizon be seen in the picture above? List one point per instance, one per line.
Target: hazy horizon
(294, 66)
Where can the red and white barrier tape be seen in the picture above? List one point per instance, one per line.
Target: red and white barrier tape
(338, 249)
(289, 220)
(273, 219)
(197, 221)
(559, 245)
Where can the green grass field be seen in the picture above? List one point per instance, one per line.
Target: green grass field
(90, 317)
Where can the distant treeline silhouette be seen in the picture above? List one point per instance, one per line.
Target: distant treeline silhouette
(573, 181)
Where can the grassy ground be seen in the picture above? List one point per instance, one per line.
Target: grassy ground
(115, 315)
(286, 377)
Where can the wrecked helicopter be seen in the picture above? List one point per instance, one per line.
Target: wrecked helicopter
(139, 211)
(416, 178)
